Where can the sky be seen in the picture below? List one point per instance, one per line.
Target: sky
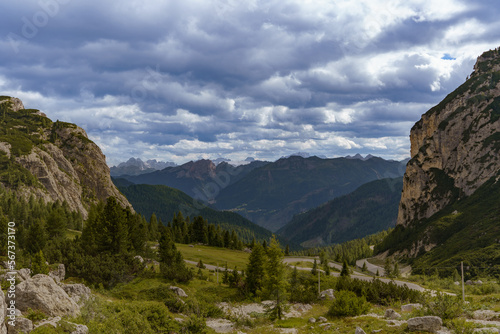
(185, 80)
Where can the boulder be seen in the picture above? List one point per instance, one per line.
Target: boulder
(327, 294)
(469, 282)
(80, 329)
(59, 274)
(359, 330)
(484, 315)
(312, 320)
(391, 314)
(322, 319)
(425, 324)
(41, 293)
(178, 291)
(77, 292)
(23, 325)
(410, 307)
(478, 282)
(486, 330)
(3, 314)
(23, 274)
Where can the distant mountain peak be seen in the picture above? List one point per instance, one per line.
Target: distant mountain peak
(135, 166)
(360, 157)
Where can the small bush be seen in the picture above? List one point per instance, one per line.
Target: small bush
(196, 324)
(461, 326)
(444, 306)
(35, 315)
(348, 304)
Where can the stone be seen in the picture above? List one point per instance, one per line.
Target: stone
(80, 329)
(391, 314)
(3, 313)
(359, 330)
(411, 307)
(484, 314)
(41, 293)
(77, 292)
(486, 330)
(425, 324)
(220, 325)
(178, 291)
(312, 320)
(469, 282)
(376, 331)
(456, 283)
(322, 319)
(327, 294)
(23, 325)
(23, 274)
(54, 321)
(478, 282)
(59, 274)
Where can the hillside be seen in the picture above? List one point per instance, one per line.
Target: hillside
(54, 161)
(450, 192)
(271, 195)
(200, 179)
(165, 202)
(369, 209)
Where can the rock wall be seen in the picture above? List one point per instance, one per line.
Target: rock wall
(68, 165)
(455, 145)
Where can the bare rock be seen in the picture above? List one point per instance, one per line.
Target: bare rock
(23, 274)
(178, 291)
(359, 330)
(77, 292)
(469, 282)
(3, 313)
(486, 330)
(485, 315)
(41, 293)
(410, 307)
(80, 329)
(425, 324)
(220, 325)
(59, 274)
(391, 314)
(327, 294)
(322, 319)
(23, 325)
(312, 320)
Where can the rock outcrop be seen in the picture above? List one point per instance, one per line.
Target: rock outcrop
(41, 292)
(78, 292)
(425, 324)
(455, 145)
(66, 164)
(59, 274)
(3, 313)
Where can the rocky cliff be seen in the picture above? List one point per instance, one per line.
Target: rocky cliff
(51, 160)
(455, 145)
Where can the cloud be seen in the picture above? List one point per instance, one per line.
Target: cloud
(183, 80)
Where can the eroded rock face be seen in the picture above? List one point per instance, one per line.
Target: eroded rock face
(59, 274)
(3, 313)
(77, 292)
(41, 292)
(455, 145)
(69, 166)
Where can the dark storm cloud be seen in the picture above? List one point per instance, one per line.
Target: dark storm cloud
(183, 80)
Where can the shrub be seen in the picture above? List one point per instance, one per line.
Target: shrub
(444, 306)
(35, 315)
(461, 326)
(347, 304)
(196, 324)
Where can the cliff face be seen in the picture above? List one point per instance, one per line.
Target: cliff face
(455, 147)
(56, 160)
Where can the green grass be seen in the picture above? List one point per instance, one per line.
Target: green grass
(72, 234)
(214, 255)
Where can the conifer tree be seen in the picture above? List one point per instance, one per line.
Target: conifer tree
(314, 269)
(225, 277)
(287, 250)
(275, 284)
(39, 265)
(172, 265)
(235, 278)
(256, 269)
(36, 237)
(56, 222)
(153, 228)
(345, 269)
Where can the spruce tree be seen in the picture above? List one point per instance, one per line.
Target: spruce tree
(345, 269)
(256, 269)
(56, 223)
(225, 277)
(39, 265)
(287, 250)
(314, 269)
(235, 278)
(172, 265)
(153, 228)
(275, 284)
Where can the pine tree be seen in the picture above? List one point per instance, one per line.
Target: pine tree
(56, 222)
(314, 269)
(327, 269)
(39, 266)
(364, 268)
(234, 280)
(153, 228)
(345, 269)
(256, 269)
(388, 268)
(225, 277)
(36, 237)
(395, 271)
(287, 250)
(172, 265)
(275, 284)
